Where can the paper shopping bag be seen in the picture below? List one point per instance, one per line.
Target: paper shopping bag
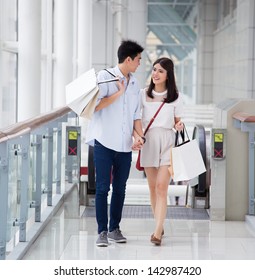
(187, 161)
(82, 93)
(170, 168)
(90, 107)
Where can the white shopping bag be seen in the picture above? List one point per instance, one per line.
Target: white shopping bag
(187, 161)
(82, 93)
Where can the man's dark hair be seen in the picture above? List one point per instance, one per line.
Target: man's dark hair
(128, 48)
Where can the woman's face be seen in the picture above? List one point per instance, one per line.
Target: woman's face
(159, 74)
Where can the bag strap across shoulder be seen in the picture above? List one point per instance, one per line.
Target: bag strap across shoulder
(110, 72)
(153, 118)
(110, 80)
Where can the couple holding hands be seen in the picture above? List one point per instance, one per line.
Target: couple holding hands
(122, 114)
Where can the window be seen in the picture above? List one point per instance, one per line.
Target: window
(8, 62)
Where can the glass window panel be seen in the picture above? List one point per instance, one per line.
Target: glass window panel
(9, 89)
(14, 188)
(9, 20)
(172, 33)
(8, 62)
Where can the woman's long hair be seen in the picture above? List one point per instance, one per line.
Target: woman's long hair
(172, 91)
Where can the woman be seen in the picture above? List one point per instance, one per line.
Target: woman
(155, 153)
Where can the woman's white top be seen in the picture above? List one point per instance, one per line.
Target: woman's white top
(165, 118)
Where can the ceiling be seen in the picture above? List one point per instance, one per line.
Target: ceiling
(168, 20)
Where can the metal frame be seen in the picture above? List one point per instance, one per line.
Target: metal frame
(3, 197)
(26, 140)
(250, 128)
(201, 190)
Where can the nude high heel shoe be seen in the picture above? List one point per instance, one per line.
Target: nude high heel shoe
(155, 240)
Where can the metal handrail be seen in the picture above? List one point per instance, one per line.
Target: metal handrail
(24, 127)
(21, 143)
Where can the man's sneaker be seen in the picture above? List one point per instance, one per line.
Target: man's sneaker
(117, 236)
(102, 240)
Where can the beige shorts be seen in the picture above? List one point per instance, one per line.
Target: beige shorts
(156, 150)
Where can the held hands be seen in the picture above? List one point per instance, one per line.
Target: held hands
(138, 143)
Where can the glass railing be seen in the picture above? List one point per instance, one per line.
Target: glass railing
(35, 167)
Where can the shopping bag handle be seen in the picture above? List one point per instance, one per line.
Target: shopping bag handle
(110, 73)
(184, 136)
(110, 80)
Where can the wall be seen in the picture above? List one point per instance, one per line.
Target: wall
(226, 51)
(233, 63)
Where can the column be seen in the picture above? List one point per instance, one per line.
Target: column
(207, 15)
(29, 58)
(136, 29)
(84, 59)
(251, 52)
(84, 35)
(63, 50)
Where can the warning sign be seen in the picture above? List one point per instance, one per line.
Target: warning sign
(72, 142)
(218, 137)
(72, 135)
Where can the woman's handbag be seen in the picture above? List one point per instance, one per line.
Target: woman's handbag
(187, 161)
(138, 163)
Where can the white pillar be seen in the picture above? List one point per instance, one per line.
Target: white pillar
(47, 56)
(84, 58)
(207, 21)
(113, 21)
(63, 50)
(251, 47)
(136, 29)
(29, 59)
(102, 39)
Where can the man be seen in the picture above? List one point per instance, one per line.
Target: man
(116, 116)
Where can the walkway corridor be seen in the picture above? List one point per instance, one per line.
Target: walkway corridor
(71, 236)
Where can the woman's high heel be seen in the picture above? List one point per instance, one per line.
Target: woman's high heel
(155, 240)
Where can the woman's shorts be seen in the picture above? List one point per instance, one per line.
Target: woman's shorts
(156, 150)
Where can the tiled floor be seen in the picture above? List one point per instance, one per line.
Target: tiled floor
(71, 236)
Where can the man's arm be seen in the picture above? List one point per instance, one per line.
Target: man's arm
(106, 101)
(138, 135)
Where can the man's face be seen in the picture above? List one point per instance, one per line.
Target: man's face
(134, 63)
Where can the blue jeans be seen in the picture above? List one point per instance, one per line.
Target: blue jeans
(110, 166)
